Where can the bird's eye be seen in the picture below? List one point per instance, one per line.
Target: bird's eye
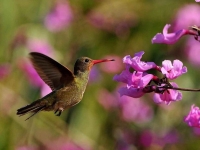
(86, 60)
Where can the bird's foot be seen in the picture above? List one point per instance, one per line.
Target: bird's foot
(59, 110)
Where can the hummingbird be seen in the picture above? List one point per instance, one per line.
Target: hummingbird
(67, 87)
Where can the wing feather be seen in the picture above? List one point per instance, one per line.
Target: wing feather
(52, 73)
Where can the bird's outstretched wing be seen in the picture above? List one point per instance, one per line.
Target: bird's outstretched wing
(52, 73)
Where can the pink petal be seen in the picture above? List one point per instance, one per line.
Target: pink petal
(168, 96)
(131, 91)
(193, 118)
(173, 71)
(137, 64)
(168, 38)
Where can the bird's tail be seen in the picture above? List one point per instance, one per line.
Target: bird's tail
(34, 108)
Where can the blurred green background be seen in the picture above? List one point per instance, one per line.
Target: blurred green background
(96, 29)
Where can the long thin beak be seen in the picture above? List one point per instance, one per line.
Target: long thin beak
(100, 61)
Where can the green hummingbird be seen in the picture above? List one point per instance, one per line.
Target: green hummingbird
(67, 87)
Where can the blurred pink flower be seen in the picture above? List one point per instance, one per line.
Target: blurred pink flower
(187, 16)
(33, 77)
(146, 138)
(41, 46)
(108, 100)
(169, 137)
(192, 50)
(59, 17)
(197, 0)
(4, 70)
(193, 118)
(44, 90)
(173, 71)
(112, 67)
(168, 96)
(137, 64)
(134, 109)
(30, 73)
(169, 38)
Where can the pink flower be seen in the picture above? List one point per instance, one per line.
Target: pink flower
(59, 18)
(124, 77)
(197, 0)
(168, 38)
(135, 79)
(131, 91)
(173, 71)
(193, 118)
(187, 16)
(135, 84)
(41, 46)
(137, 64)
(168, 95)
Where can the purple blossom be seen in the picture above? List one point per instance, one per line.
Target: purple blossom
(197, 0)
(137, 64)
(124, 77)
(173, 71)
(59, 18)
(168, 95)
(131, 91)
(187, 16)
(168, 38)
(135, 84)
(193, 118)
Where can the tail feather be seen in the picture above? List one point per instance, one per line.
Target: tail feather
(27, 108)
(32, 108)
(36, 111)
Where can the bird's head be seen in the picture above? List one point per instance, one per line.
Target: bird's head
(85, 64)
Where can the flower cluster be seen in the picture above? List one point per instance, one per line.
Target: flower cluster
(139, 81)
